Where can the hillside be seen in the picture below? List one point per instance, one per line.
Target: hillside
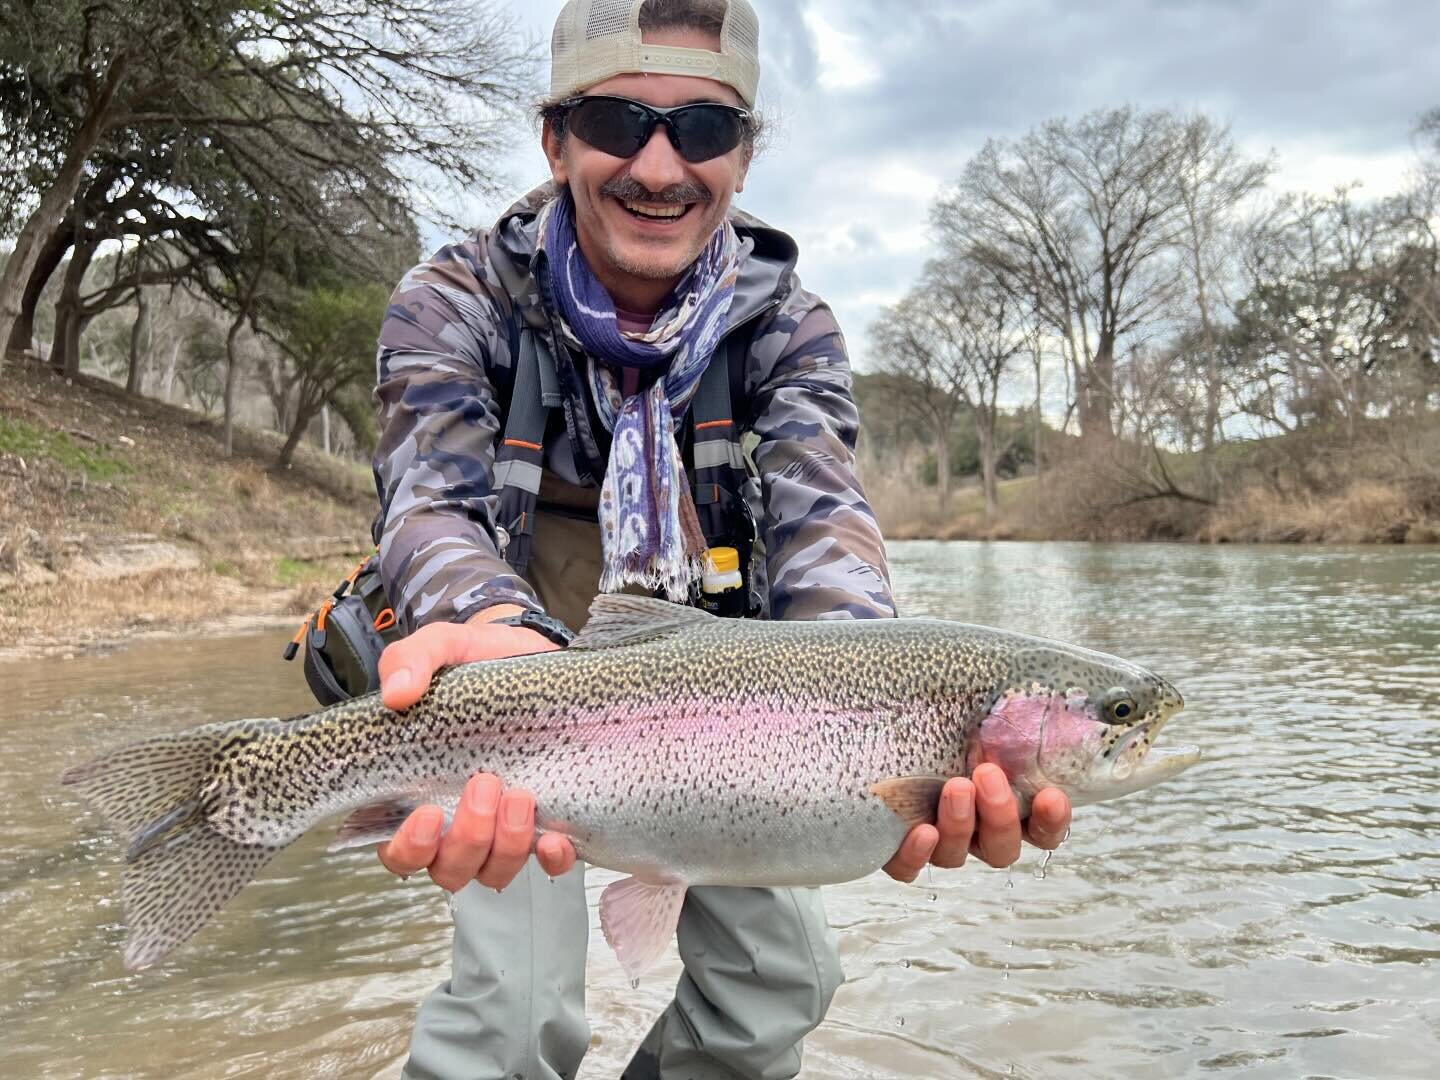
(120, 516)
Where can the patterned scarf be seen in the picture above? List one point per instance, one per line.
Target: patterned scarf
(648, 527)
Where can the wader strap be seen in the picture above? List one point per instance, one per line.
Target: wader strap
(521, 454)
(718, 467)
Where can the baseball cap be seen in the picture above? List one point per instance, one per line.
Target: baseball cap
(596, 39)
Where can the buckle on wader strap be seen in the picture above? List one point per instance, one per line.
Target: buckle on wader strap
(520, 457)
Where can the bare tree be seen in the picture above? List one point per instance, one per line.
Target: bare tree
(1080, 217)
(981, 329)
(919, 376)
(1212, 179)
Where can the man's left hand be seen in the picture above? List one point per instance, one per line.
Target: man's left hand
(980, 816)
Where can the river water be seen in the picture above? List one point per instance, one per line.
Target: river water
(1272, 913)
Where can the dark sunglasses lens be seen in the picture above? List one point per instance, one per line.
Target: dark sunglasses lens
(612, 127)
(703, 132)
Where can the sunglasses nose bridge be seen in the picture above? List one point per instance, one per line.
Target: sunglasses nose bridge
(658, 163)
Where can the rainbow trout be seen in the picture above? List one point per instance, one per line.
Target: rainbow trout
(678, 747)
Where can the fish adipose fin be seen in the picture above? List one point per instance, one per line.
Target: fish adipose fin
(618, 619)
(373, 824)
(916, 799)
(639, 921)
(179, 871)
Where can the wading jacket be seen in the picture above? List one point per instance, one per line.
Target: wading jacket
(446, 366)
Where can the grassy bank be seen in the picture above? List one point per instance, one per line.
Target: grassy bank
(121, 515)
(1382, 487)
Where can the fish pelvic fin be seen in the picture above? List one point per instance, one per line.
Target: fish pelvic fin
(179, 870)
(915, 799)
(374, 823)
(639, 921)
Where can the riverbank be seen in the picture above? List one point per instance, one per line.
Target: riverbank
(123, 519)
(1306, 489)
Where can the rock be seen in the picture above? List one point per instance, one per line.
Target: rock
(125, 440)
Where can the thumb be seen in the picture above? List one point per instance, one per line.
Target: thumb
(407, 666)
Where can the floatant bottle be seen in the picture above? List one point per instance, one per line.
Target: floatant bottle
(722, 589)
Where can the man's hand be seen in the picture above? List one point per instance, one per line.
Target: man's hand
(980, 816)
(493, 831)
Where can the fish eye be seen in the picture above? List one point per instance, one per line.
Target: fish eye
(1119, 706)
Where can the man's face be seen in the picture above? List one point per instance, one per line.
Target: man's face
(631, 255)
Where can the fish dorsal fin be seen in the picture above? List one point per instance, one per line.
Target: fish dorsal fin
(915, 799)
(618, 619)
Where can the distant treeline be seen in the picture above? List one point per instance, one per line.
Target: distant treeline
(1192, 313)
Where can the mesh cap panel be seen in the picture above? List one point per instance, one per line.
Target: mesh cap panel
(597, 39)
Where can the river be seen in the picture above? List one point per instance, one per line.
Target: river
(1272, 913)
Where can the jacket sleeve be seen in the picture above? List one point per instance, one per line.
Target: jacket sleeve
(439, 421)
(824, 555)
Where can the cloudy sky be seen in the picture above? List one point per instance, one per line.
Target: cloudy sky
(874, 105)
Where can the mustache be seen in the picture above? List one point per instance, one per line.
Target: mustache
(627, 189)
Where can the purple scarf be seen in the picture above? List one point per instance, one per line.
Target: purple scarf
(648, 526)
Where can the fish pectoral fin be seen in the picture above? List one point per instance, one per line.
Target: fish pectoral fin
(639, 921)
(618, 619)
(373, 823)
(915, 799)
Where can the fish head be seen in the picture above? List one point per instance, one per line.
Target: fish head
(1082, 722)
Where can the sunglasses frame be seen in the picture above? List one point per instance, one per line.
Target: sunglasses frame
(656, 115)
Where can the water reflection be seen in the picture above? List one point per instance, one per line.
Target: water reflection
(1272, 912)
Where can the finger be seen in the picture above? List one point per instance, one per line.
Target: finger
(1049, 819)
(466, 844)
(914, 853)
(514, 837)
(413, 846)
(998, 817)
(956, 822)
(555, 854)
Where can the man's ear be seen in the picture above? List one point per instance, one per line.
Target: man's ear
(744, 172)
(554, 147)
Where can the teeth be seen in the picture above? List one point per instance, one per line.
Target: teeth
(655, 211)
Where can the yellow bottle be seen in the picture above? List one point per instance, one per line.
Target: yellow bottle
(722, 589)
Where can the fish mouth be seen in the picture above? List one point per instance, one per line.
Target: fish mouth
(1140, 763)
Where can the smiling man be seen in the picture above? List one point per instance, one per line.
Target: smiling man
(563, 398)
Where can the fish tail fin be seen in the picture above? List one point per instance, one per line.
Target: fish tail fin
(179, 870)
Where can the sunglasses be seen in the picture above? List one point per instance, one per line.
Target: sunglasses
(620, 127)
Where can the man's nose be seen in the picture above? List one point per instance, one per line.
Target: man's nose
(658, 165)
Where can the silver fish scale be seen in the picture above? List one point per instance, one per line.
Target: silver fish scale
(728, 752)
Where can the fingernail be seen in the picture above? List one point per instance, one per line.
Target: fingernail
(517, 813)
(991, 784)
(483, 795)
(399, 681)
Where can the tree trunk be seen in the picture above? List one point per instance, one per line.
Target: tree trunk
(134, 377)
(232, 371)
(304, 413)
(942, 465)
(167, 381)
(985, 436)
(69, 318)
(22, 334)
(56, 201)
(1039, 415)
(1097, 395)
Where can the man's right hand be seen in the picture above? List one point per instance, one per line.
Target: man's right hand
(492, 832)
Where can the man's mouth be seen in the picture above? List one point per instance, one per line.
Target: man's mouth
(665, 213)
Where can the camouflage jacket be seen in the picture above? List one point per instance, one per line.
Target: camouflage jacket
(446, 365)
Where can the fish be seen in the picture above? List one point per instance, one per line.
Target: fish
(677, 747)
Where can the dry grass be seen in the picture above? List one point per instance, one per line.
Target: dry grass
(1365, 512)
(84, 467)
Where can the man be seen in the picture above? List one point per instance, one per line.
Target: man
(621, 284)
